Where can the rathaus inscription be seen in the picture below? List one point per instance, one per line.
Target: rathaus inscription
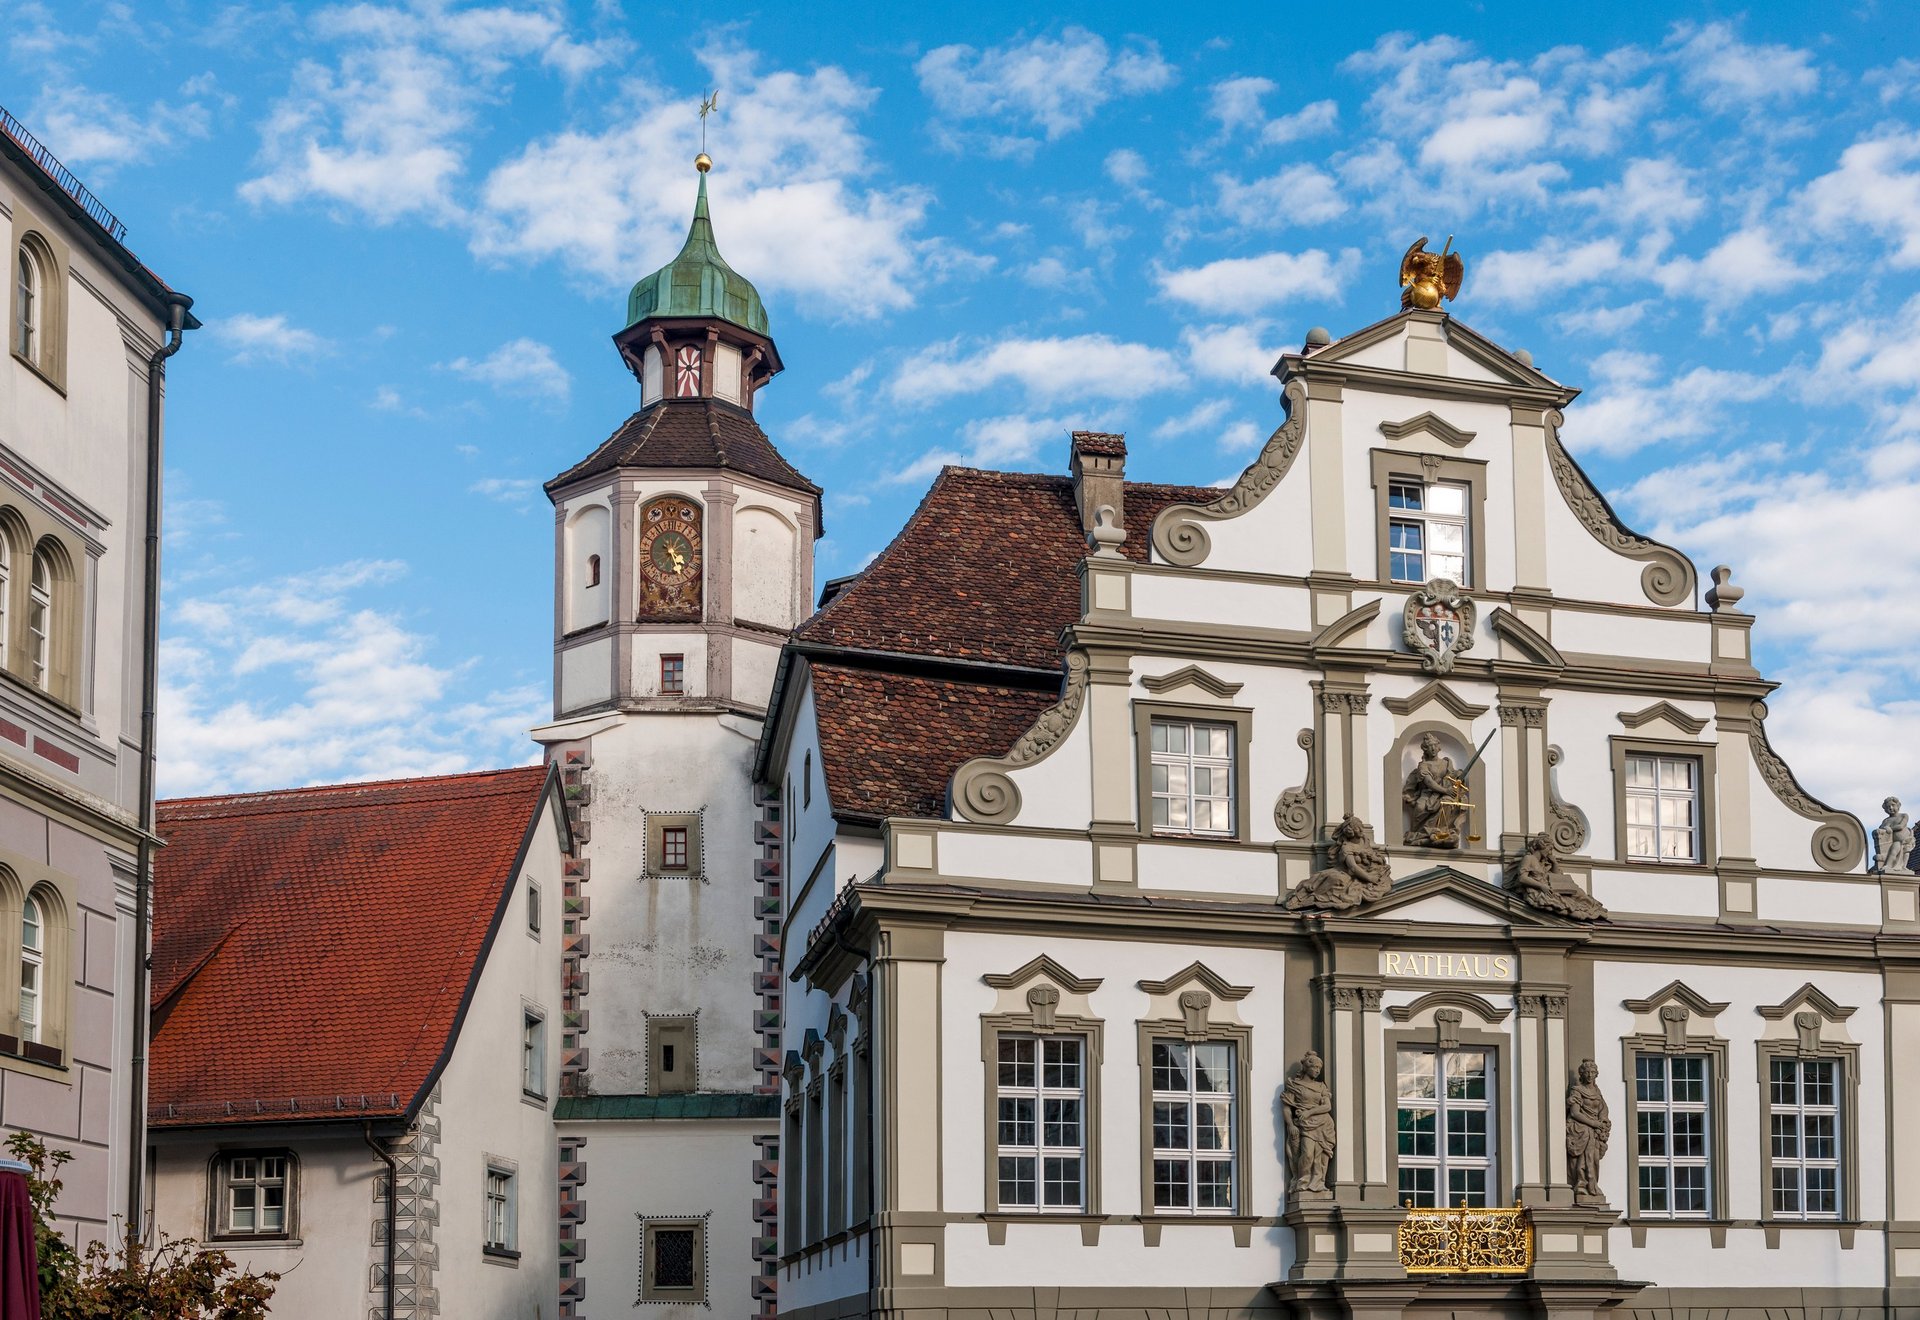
(1447, 966)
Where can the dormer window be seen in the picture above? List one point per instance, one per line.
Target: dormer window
(686, 372)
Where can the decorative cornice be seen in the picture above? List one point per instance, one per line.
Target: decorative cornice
(1679, 993)
(1428, 424)
(1038, 967)
(1669, 577)
(1841, 840)
(1435, 691)
(1353, 621)
(1205, 976)
(1507, 625)
(982, 791)
(1456, 998)
(1662, 710)
(1191, 674)
(1178, 534)
(1807, 994)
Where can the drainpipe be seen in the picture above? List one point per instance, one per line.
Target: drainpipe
(393, 1211)
(177, 305)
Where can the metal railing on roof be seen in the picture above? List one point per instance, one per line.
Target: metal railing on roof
(63, 176)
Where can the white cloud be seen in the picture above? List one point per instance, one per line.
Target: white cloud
(1240, 437)
(1727, 73)
(301, 680)
(522, 367)
(1630, 406)
(1744, 263)
(1240, 354)
(1297, 195)
(1048, 370)
(1658, 193)
(85, 127)
(1875, 188)
(1238, 103)
(1544, 273)
(1052, 84)
(991, 442)
(1126, 167)
(785, 194)
(1198, 418)
(507, 490)
(1249, 284)
(250, 337)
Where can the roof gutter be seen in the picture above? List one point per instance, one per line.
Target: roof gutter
(393, 1211)
(178, 320)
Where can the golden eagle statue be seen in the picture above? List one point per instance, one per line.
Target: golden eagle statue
(1427, 277)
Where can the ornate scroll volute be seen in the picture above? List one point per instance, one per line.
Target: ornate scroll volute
(1295, 812)
(1567, 825)
(982, 791)
(1669, 577)
(1180, 534)
(1043, 1001)
(1840, 841)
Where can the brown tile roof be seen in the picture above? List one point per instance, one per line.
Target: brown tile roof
(312, 949)
(889, 742)
(1105, 443)
(695, 433)
(986, 569)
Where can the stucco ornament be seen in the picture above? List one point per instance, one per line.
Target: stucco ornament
(982, 791)
(1589, 1128)
(1356, 873)
(1893, 841)
(1538, 881)
(1439, 624)
(1306, 1107)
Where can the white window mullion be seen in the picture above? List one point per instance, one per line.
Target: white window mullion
(1040, 1122)
(1192, 777)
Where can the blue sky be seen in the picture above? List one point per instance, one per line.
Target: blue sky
(410, 229)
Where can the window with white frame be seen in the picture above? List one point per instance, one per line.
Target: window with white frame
(1671, 1139)
(33, 969)
(533, 908)
(1663, 808)
(1803, 1104)
(28, 302)
(533, 1054)
(1445, 1127)
(1194, 1160)
(1041, 1122)
(40, 619)
(1192, 777)
(500, 1210)
(1426, 530)
(253, 1195)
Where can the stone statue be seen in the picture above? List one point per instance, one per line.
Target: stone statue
(1893, 841)
(1434, 797)
(1537, 880)
(1306, 1106)
(1588, 1130)
(1357, 871)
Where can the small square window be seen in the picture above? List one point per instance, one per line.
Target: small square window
(254, 1196)
(672, 1055)
(673, 848)
(673, 1264)
(673, 843)
(673, 675)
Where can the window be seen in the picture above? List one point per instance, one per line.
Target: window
(806, 780)
(533, 909)
(1803, 1104)
(673, 1262)
(533, 1054)
(672, 1062)
(39, 619)
(1445, 1126)
(673, 848)
(593, 570)
(814, 1162)
(1426, 530)
(1192, 777)
(253, 1194)
(790, 1151)
(673, 675)
(28, 304)
(1041, 1122)
(33, 966)
(1663, 808)
(1193, 1124)
(500, 1212)
(6, 579)
(1672, 1144)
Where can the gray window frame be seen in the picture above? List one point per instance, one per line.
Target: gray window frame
(1239, 719)
(1092, 1033)
(658, 822)
(1390, 465)
(1500, 1183)
(1715, 1051)
(684, 1029)
(1177, 1029)
(219, 1179)
(1846, 1058)
(650, 1228)
(1707, 835)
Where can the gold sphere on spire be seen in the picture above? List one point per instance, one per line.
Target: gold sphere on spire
(703, 162)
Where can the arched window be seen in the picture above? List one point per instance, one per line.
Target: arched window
(40, 620)
(593, 570)
(28, 305)
(33, 967)
(6, 583)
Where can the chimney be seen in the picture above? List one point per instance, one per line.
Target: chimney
(1099, 463)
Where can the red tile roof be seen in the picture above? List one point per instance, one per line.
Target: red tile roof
(889, 742)
(984, 573)
(690, 433)
(313, 949)
(986, 569)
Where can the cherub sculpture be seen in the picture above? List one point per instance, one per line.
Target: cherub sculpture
(1893, 841)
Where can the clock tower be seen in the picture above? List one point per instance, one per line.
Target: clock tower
(683, 554)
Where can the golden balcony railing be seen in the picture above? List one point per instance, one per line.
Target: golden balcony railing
(1467, 1240)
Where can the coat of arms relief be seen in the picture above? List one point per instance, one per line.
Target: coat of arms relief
(1439, 624)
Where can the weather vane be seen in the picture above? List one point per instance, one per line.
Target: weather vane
(710, 103)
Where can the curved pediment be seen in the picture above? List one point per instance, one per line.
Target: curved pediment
(1439, 693)
(1428, 423)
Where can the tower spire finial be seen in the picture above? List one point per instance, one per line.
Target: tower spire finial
(708, 105)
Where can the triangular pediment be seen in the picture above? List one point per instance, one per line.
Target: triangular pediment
(1444, 896)
(1505, 366)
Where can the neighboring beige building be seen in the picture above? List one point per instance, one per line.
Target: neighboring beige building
(88, 331)
(1367, 890)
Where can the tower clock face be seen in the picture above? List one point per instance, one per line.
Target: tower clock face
(669, 559)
